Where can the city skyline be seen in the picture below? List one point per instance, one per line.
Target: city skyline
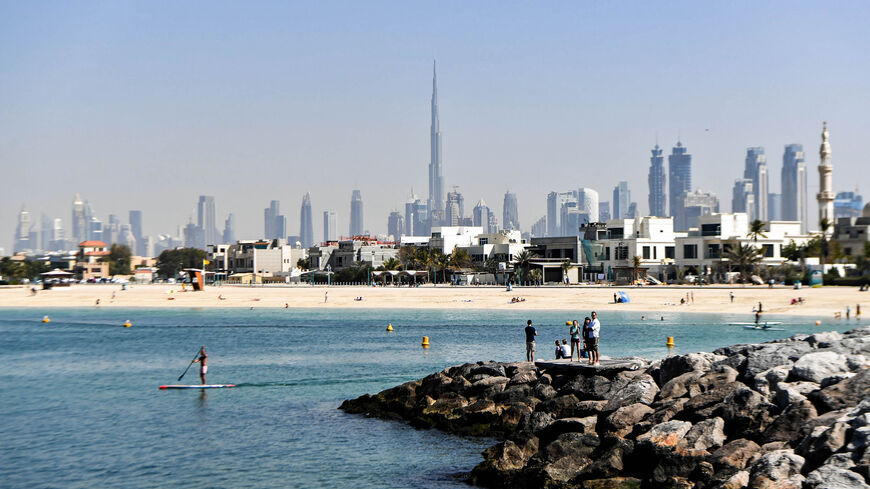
(514, 112)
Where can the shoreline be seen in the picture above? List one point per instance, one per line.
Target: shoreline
(821, 303)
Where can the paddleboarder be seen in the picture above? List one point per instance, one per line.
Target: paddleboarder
(203, 360)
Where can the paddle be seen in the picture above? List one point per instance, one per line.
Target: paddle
(188, 366)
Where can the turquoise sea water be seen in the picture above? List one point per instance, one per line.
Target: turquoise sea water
(80, 407)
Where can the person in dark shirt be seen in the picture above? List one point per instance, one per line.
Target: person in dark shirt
(531, 332)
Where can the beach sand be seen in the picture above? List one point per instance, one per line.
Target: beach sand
(819, 302)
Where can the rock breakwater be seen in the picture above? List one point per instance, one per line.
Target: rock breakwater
(791, 413)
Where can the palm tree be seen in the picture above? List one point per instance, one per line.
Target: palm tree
(745, 257)
(756, 229)
(635, 268)
(392, 264)
(566, 266)
(824, 225)
(523, 262)
(459, 258)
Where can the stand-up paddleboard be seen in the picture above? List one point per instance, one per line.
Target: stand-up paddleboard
(762, 328)
(197, 386)
(753, 324)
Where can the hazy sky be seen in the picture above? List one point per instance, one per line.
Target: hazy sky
(146, 105)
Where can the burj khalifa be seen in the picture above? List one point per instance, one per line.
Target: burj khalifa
(436, 170)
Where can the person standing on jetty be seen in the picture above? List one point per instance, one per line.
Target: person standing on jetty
(594, 334)
(202, 359)
(574, 331)
(531, 332)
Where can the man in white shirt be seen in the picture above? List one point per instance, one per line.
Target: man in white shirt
(594, 334)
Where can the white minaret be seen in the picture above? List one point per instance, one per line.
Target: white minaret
(825, 197)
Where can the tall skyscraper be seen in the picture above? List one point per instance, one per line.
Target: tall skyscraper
(395, 225)
(555, 201)
(436, 170)
(604, 211)
(848, 204)
(774, 207)
(306, 223)
(755, 169)
(330, 226)
(695, 204)
(510, 211)
(587, 203)
(743, 197)
(680, 178)
(79, 223)
(135, 218)
(356, 214)
(58, 239)
(112, 229)
(825, 197)
(455, 209)
(794, 185)
(539, 228)
(22, 232)
(229, 233)
(657, 181)
(621, 200)
(45, 233)
(95, 230)
(274, 223)
(205, 219)
(480, 216)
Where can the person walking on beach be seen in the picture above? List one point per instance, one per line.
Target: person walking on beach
(594, 334)
(325, 296)
(574, 331)
(848, 311)
(203, 361)
(531, 332)
(731, 294)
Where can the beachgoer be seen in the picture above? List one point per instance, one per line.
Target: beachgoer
(559, 353)
(848, 311)
(286, 305)
(531, 332)
(687, 297)
(595, 334)
(585, 331)
(614, 298)
(757, 317)
(857, 311)
(663, 318)
(693, 297)
(732, 296)
(565, 352)
(203, 361)
(574, 331)
(325, 296)
(97, 303)
(759, 306)
(643, 318)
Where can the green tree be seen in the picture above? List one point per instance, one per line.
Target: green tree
(635, 268)
(756, 229)
(459, 259)
(170, 262)
(392, 264)
(566, 267)
(304, 263)
(118, 259)
(523, 262)
(745, 257)
(792, 251)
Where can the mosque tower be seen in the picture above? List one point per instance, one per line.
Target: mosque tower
(825, 197)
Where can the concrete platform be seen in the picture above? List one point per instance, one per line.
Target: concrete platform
(607, 366)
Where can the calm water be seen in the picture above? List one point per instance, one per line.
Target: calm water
(80, 406)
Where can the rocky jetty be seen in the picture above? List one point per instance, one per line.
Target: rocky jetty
(792, 413)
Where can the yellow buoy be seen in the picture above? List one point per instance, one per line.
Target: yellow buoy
(390, 327)
(127, 324)
(425, 342)
(45, 319)
(568, 323)
(670, 341)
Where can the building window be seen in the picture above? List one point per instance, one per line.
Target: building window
(484, 241)
(655, 248)
(622, 252)
(670, 252)
(712, 251)
(646, 255)
(690, 251)
(768, 250)
(607, 253)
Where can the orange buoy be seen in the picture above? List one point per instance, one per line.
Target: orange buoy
(425, 342)
(670, 341)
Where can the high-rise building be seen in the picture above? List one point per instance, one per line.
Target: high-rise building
(229, 233)
(493, 222)
(632, 213)
(58, 238)
(755, 169)
(539, 228)
(95, 230)
(604, 211)
(79, 223)
(621, 200)
(657, 181)
(306, 223)
(848, 204)
(555, 201)
(205, 219)
(356, 214)
(680, 179)
(694, 205)
(480, 217)
(774, 207)
(510, 211)
(330, 226)
(743, 197)
(22, 233)
(126, 238)
(45, 233)
(587, 203)
(794, 185)
(395, 225)
(111, 231)
(274, 223)
(136, 228)
(454, 211)
(825, 197)
(436, 170)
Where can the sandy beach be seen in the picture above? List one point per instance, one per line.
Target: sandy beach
(820, 302)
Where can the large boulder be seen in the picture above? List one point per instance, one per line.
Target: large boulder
(845, 394)
(622, 421)
(734, 455)
(836, 474)
(816, 366)
(504, 461)
(822, 443)
(779, 469)
(638, 389)
(693, 362)
(825, 339)
(567, 456)
(788, 425)
(666, 434)
(768, 355)
(746, 413)
(706, 435)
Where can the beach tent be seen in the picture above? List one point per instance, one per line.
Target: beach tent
(624, 297)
